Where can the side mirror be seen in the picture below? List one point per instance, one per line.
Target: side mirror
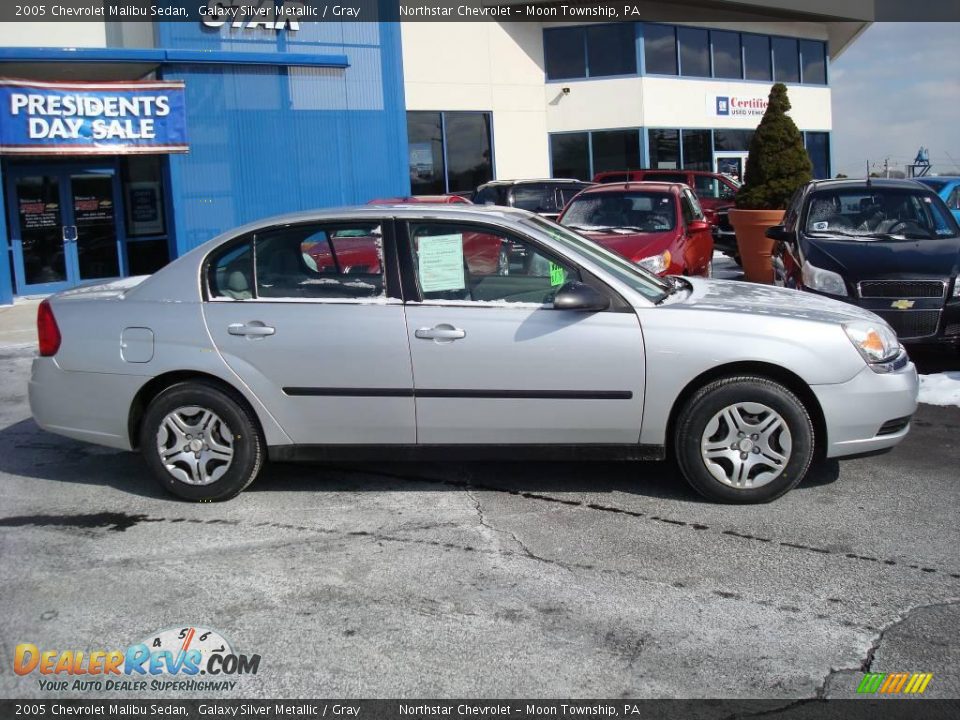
(698, 226)
(576, 295)
(779, 232)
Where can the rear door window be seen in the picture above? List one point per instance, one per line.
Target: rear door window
(302, 262)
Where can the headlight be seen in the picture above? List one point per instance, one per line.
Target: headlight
(956, 287)
(656, 264)
(823, 280)
(875, 341)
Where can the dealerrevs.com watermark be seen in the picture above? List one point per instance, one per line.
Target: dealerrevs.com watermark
(190, 659)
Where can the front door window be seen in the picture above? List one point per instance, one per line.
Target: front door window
(41, 244)
(94, 216)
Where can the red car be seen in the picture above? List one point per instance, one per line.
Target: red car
(715, 191)
(349, 253)
(416, 199)
(659, 226)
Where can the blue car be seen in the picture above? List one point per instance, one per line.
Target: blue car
(948, 188)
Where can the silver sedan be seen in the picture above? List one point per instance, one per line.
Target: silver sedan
(411, 332)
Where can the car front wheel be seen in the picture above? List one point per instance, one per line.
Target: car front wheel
(200, 443)
(744, 439)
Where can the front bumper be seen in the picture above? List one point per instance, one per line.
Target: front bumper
(855, 412)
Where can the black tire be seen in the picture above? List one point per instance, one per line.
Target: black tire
(247, 441)
(714, 398)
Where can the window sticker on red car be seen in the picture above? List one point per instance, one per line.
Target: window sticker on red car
(440, 263)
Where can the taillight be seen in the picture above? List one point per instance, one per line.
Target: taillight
(47, 331)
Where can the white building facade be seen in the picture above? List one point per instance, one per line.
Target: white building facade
(531, 99)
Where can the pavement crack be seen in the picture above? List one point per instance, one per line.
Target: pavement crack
(866, 664)
(522, 546)
(867, 661)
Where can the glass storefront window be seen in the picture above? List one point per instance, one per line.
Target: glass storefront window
(694, 52)
(818, 148)
(425, 137)
(664, 149)
(660, 49)
(563, 53)
(143, 196)
(732, 140)
(570, 155)
(697, 150)
(611, 50)
(813, 60)
(727, 62)
(786, 60)
(616, 150)
(468, 150)
(756, 57)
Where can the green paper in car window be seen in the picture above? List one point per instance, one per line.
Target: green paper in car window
(440, 263)
(558, 276)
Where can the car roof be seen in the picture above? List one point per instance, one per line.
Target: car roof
(449, 211)
(842, 183)
(555, 181)
(634, 185)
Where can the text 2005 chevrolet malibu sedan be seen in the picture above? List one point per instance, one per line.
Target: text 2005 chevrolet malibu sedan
(271, 342)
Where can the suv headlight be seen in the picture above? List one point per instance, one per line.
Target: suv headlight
(875, 341)
(956, 286)
(656, 264)
(825, 281)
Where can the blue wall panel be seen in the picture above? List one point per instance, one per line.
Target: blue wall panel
(6, 272)
(267, 140)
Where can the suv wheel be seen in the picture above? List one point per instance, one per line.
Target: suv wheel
(744, 439)
(200, 443)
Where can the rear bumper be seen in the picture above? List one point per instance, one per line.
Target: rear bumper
(92, 407)
(855, 412)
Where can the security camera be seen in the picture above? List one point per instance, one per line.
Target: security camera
(566, 91)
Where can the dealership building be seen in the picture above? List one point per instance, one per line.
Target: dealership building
(126, 144)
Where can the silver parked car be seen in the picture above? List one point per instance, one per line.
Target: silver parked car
(402, 332)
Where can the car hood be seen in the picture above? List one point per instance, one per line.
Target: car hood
(632, 245)
(884, 259)
(731, 296)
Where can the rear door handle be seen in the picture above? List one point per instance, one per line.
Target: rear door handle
(251, 329)
(441, 333)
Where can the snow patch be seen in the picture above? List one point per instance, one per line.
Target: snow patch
(940, 388)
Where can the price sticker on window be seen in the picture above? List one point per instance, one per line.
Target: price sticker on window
(558, 276)
(440, 263)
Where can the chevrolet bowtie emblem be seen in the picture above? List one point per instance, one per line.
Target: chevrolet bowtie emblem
(902, 304)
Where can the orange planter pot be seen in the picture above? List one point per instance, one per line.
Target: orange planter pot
(754, 245)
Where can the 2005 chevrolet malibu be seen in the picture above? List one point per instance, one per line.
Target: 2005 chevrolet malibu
(401, 332)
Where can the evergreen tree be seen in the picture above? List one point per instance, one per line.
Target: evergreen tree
(778, 163)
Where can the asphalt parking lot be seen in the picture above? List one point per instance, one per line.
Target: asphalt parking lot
(488, 580)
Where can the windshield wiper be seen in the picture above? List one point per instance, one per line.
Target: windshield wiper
(900, 236)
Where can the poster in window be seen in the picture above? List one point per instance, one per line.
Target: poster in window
(92, 210)
(144, 209)
(421, 160)
(35, 214)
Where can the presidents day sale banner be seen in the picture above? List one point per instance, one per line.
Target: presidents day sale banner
(90, 118)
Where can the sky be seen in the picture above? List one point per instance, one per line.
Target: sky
(897, 87)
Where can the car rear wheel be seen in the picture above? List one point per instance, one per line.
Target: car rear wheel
(744, 439)
(200, 443)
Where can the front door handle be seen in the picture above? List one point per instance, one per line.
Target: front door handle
(251, 329)
(441, 333)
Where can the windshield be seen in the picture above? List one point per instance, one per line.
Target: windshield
(636, 278)
(638, 211)
(879, 213)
